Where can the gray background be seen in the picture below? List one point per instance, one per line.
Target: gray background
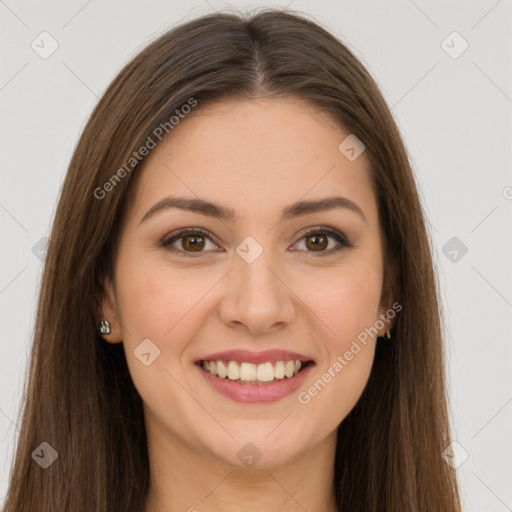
(454, 114)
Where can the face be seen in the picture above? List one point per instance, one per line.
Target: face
(267, 287)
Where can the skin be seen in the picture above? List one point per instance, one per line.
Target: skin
(272, 153)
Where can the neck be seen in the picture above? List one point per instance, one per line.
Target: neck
(184, 479)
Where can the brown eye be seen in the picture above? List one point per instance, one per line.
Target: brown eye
(317, 240)
(193, 242)
(187, 242)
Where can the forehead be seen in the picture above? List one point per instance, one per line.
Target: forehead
(252, 154)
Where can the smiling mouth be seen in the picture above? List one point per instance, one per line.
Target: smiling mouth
(251, 374)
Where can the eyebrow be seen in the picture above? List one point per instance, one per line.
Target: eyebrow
(224, 213)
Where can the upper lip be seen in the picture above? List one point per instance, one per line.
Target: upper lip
(250, 356)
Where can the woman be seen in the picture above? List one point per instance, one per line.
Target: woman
(239, 309)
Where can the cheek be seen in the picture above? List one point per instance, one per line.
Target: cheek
(154, 298)
(157, 304)
(346, 299)
(348, 347)
(337, 386)
(163, 305)
(347, 303)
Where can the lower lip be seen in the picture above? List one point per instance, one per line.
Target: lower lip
(256, 394)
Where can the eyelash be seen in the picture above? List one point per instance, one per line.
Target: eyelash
(322, 230)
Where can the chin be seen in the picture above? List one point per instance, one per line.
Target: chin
(258, 448)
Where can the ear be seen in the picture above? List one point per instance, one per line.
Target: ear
(107, 310)
(384, 316)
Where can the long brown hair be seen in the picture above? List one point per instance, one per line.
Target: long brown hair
(80, 398)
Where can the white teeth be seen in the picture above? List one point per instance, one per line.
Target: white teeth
(221, 370)
(250, 372)
(289, 369)
(233, 371)
(279, 369)
(265, 372)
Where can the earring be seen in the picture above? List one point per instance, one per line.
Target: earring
(104, 327)
(388, 334)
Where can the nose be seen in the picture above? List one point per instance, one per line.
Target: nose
(256, 296)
